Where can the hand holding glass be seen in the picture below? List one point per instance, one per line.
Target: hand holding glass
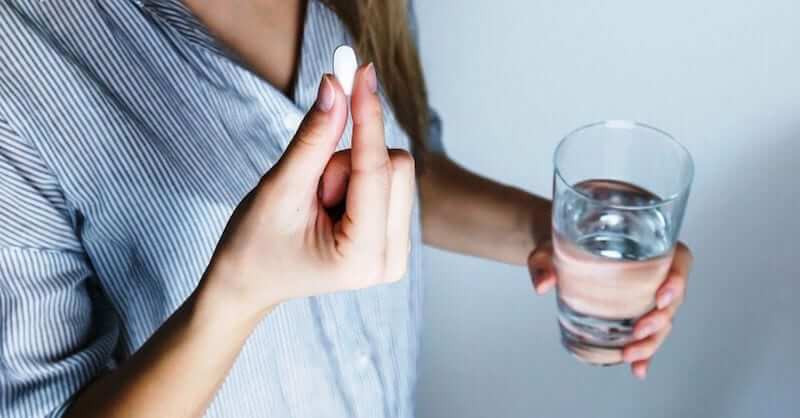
(620, 189)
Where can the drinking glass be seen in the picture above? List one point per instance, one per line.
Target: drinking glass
(619, 193)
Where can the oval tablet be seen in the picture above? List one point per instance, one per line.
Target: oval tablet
(345, 65)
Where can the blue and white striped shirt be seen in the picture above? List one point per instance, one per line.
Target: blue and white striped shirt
(127, 137)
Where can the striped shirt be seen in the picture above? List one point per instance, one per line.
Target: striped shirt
(128, 134)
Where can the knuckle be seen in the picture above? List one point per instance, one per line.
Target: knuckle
(672, 310)
(661, 323)
(309, 133)
(396, 272)
(382, 166)
(378, 167)
(367, 271)
(657, 318)
(664, 317)
(401, 160)
(663, 333)
(650, 349)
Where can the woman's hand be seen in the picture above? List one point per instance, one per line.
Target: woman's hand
(283, 241)
(320, 222)
(651, 329)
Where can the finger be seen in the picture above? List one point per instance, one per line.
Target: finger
(333, 185)
(316, 138)
(651, 323)
(540, 265)
(401, 202)
(683, 259)
(639, 368)
(645, 349)
(673, 290)
(368, 191)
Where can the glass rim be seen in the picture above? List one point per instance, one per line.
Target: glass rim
(627, 124)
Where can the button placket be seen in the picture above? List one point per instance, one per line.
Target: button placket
(362, 359)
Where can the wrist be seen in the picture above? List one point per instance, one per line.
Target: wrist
(222, 294)
(534, 223)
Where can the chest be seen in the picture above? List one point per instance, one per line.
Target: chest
(265, 35)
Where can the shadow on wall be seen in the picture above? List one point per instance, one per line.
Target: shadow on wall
(753, 256)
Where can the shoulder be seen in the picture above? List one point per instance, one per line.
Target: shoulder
(39, 35)
(28, 52)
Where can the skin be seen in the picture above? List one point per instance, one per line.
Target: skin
(320, 222)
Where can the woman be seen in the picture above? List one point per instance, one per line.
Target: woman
(173, 245)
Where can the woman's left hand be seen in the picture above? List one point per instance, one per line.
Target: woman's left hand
(651, 329)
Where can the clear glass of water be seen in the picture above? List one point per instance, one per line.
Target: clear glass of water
(619, 193)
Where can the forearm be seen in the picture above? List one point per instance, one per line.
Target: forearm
(176, 373)
(469, 214)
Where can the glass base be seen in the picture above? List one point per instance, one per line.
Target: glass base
(590, 354)
(593, 340)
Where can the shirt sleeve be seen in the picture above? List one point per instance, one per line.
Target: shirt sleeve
(435, 143)
(56, 331)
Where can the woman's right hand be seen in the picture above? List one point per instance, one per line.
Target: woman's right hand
(320, 222)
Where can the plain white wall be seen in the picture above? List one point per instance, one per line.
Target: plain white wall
(510, 78)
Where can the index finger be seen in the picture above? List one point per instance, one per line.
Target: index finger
(368, 191)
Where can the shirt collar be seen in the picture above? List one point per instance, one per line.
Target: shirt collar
(179, 17)
(322, 33)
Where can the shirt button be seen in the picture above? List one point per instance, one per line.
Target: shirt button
(362, 360)
(292, 121)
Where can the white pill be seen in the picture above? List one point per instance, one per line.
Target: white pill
(345, 65)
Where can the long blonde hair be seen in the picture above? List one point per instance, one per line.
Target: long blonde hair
(382, 34)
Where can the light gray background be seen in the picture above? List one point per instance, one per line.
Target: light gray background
(510, 78)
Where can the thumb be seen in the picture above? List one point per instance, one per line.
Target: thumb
(312, 146)
(540, 265)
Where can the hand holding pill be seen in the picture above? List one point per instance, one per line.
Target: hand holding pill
(322, 221)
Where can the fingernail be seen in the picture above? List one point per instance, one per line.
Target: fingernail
(326, 94)
(545, 287)
(372, 78)
(664, 300)
(645, 331)
(640, 373)
(537, 280)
